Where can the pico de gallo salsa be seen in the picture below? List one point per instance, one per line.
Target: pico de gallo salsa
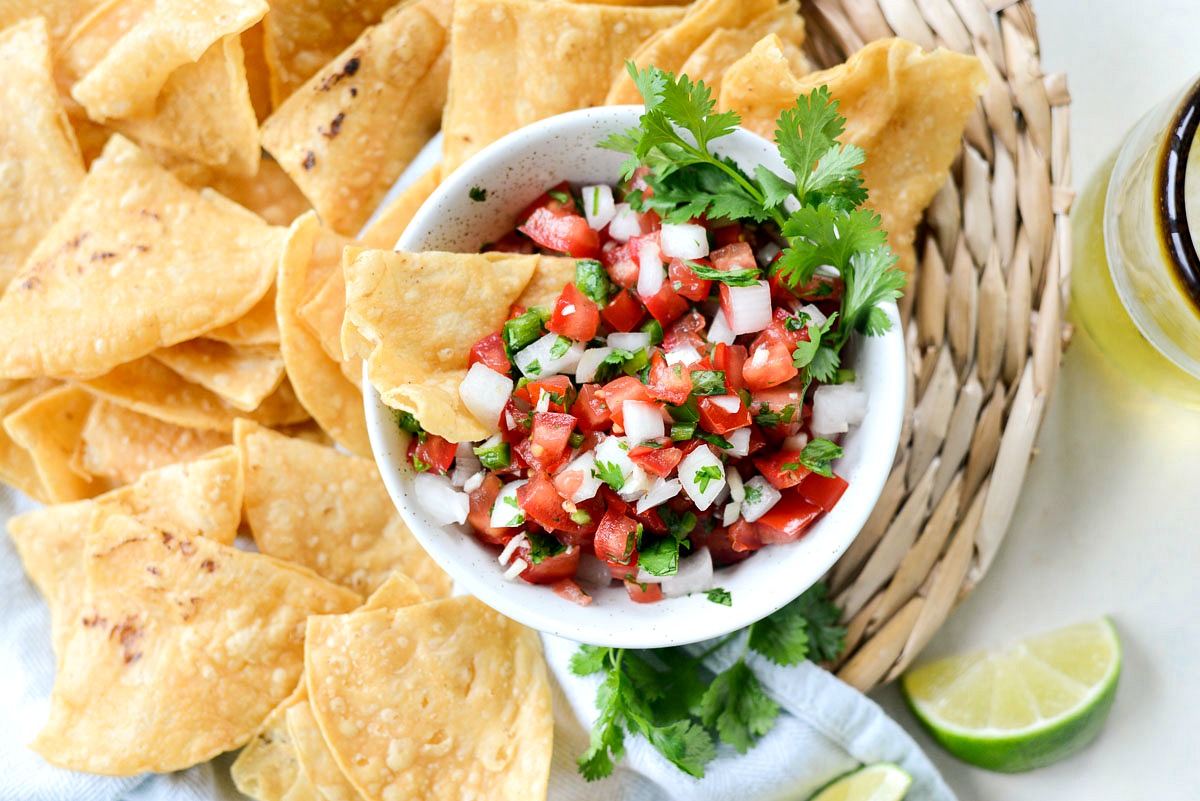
(653, 419)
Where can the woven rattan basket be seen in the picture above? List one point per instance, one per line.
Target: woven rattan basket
(984, 326)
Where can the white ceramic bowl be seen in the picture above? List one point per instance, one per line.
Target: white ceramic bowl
(514, 171)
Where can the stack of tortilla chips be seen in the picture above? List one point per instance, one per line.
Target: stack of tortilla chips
(179, 184)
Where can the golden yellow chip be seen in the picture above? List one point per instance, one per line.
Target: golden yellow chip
(268, 769)
(906, 108)
(189, 643)
(258, 327)
(60, 15)
(669, 49)
(324, 312)
(347, 134)
(415, 316)
(242, 376)
(138, 262)
(444, 700)
(118, 445)
(384, 231)
(333, 401)
(17, 467)
(316, 760)
(48, 427)
(320, 508)
(258, 75)
(500, 49)
(725, 46)
(201, 498)
(40, 165)
(270, 194)
(127, 80)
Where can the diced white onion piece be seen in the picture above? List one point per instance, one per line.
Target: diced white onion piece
(766, 254)
(760, 497)
(592, 571)
(511, 548)
(796, 442)
(739, 442)
(737, 490)
(816, 316)
(624, 224)
(515, 569)
(643, 421)
(568, 309)
(474, 482)
(484, 392)
(632, 341)
(650, 270)
(695, 575)
(661, 491)
(683, 241)
(506, 513)
(441, 500)
(466, 464)
(598, 205)
(589, 363)
(584, 463)
(836, 407)
(732, 510)
(730, 403)
(615, 451)
(537, 359)
(637, 484)
(750, 308)
(684, 355)
(719, 330)
(702, 492)
(543, 404)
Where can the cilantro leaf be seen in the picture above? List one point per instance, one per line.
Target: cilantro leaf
(477, 193)
(823, 235)
(661, 557)
(543, 546)
(708, 382)
(685, 744)
(719, 595)
(818, 455)
(707, 474)
(560, 347)
(730, 277)
(805, 628)
(738, 706)
(608, 736)
(610, 473)
(590, 659)
(592, 280)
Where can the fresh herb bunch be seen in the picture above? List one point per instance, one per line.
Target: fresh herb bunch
(668, 697)
(820, 214)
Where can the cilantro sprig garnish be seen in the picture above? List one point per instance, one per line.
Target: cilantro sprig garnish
(818, 209)
(682, 709)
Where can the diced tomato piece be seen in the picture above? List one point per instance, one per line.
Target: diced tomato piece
(660, 461)
(525, 454)
(686, 282)
(616, 540)
(666, 305)
(744, 537)
(575, 316)
(720, 542)
(668, 382)
(768, 366)
(590, 410)
(685, 333)
(728, 234)
(737, 256)
(435, 453)
(553, 203)
(787, 519)
(621, 261)
(512, 242)
(559, 567)
(558, 387)
(730, 359)
(483, 498)
(619, 390)
(782, 468)
(716, 418)
(824, 492)
(542, 504)
(551, 431)
(820, 288)
(643, 593)
(778, 331)
(783, 400)
(490, 352)
(515, 421)
(623, 312)
(569, 590)
(562, 232)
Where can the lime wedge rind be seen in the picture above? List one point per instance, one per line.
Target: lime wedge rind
(880, 781)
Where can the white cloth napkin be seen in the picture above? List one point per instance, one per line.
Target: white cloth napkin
(827, 728)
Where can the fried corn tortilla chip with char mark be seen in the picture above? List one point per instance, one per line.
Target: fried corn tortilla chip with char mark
(906, 108)
(445, 700)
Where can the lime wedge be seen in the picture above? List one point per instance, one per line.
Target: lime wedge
(1033, 704)
(882, 781)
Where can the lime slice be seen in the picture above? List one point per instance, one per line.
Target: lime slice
(882, 781)
(1036, 703)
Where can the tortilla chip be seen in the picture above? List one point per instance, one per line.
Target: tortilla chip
(60, 15)
(669, 48)
(148, 387)
(138, 262)
(906, 108)
(500, 49)
(258, 75)
(243, 377)
(333, 401)
(384, 231)
(40, 165)
(444, 700)
(316, 760)
(258, 327)
(325, 311)
(270, 194)
(129, 77)
(725, 46)
(201, 498)
(118, 445)
(347, 134)
(267, 768)
(17, 467)
(48, 427)
(302, 36)
(190, 643)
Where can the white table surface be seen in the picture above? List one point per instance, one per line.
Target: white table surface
(1109, 519)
